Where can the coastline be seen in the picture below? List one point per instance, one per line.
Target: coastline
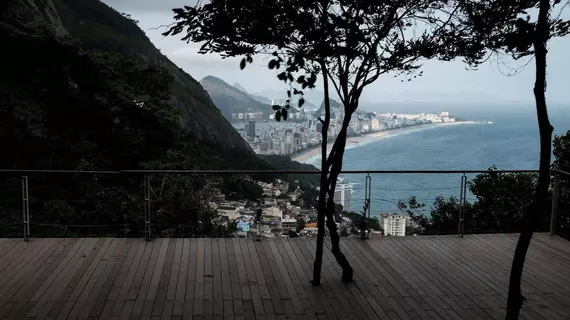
(353, 141)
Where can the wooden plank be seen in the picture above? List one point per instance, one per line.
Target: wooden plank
(62, 299)
(199, 280)
(253, 281)
(286, 281)
(90, 283)
(226, 279)
(275, 303)
(96, 299)
(208, 301)
(164, 283)
(229, 266)
(218, 298)
(22, 273)
(146, 280)
(21, 297)
(174, 277)
(15, 253)
(191, 286)
(7, 245)
(239, 281)
(338, 293)
(119, 293)
(306, 294)
(178, 308)
(306, 259)
(116, 281)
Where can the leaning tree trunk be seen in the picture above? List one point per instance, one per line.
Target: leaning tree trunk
(541, 35)
(317, 265)
(337, 154)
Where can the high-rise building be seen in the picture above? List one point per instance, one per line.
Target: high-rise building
(342, 196)
(250, 129)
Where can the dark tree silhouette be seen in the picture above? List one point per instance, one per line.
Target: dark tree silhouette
(502, 29)
(349, 43)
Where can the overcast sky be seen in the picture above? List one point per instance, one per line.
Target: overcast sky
(442, 81)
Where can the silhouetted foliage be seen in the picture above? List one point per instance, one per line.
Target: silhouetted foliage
(349, 43)
(505, 26)
(561, 152)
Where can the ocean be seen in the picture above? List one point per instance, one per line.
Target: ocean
(511, 142)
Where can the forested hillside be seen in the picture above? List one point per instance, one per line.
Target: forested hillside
(85, 95)
(100, 27)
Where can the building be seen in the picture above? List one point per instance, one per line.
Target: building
(250, 129)
(394, 224)
(342, 196)
(289, 224)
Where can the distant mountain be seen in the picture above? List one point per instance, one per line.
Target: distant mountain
(312, 97)
(239, 86)
(335, 105)
(230, 99)
(261, 99)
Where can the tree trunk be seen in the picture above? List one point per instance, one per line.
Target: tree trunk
(336, 167)
(317, 265)
(515, 298)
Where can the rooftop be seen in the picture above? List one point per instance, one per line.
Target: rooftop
(423, 277)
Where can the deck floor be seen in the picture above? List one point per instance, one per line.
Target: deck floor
(424, 277)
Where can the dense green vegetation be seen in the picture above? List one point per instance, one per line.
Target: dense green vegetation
(85, 104)
(501, 201)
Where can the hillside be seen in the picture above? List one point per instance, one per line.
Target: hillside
(240, 87)
(100, 27)
(230, 99)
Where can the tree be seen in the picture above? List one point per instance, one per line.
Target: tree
(415, 210)
(561, 162)
(350, 44)
(502, 199)
(498, 25)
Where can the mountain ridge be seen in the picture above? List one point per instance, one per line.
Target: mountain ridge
(101, 27)
(231, 100)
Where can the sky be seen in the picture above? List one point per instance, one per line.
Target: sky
(441, 81)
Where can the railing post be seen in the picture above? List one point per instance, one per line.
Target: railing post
(25, 208)
(462, 201)
(554, 209)
(364, 232)
(147, 226)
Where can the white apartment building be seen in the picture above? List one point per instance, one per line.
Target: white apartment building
(342, 196)
(394, 224)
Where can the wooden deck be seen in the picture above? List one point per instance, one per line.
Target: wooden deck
(431, 277)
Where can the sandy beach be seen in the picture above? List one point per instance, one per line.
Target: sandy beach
(351, 141)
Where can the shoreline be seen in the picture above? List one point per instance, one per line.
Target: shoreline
(315, 151)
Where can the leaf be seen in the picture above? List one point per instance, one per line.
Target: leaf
(272, 64)
(278, 115)
(276, 107)
(301, 102)
(301, 79)
(242, 64)
(282, 76)
(284, 112)
(289, 93)
(249, 59)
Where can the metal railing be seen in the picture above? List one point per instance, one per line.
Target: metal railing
(125, 203)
